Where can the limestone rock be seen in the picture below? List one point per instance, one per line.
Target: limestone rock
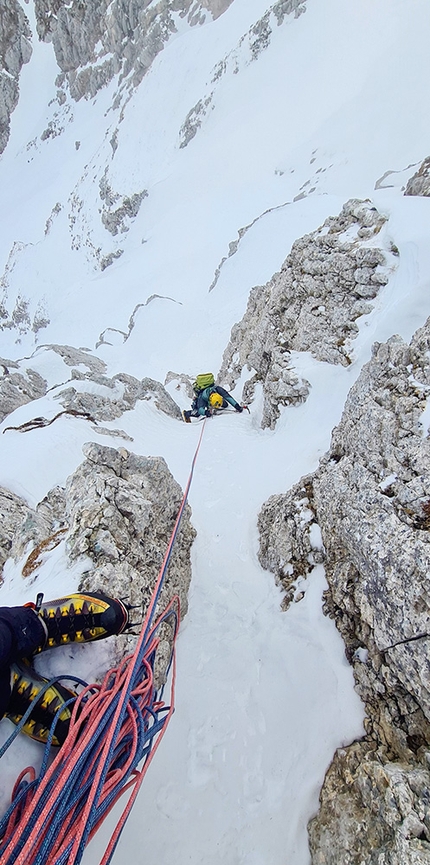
(21, 525)
(95, 40)
(18, 313)
(125, 392)
(262, 30)
(92, 392)
(75, 357)
(370, 499)
(118, 209)
(290, 539)
(312, 304)
(248, 49)
(372, 495)
(419, 184)
(372, 811)
(116, 513)
(183, 380)
(18, 386)
(121, 510)
(15, 50)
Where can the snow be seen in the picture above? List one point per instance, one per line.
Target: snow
(387, 482)
(425, 419)
(264, 697)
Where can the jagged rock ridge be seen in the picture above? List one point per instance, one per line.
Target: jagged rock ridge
(15, 50)
(369, 501)
(112, 397)
(112, 38)
(326, 283)
(99, 39)
(107, 38)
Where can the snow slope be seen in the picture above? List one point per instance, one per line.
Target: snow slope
(333, 103)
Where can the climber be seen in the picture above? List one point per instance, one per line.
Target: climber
(207, 401)
(25, 631)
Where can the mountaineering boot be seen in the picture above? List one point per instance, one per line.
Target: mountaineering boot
(82, 618)
(26, 684)
(186, 416)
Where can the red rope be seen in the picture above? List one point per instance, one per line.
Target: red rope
(88, 710)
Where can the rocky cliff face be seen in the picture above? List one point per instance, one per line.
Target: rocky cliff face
(119, 38)
(326, 283)
(366, 514)
(116, 512)
(15, 50)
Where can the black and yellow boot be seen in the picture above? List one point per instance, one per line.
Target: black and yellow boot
(82, 618)
(26, 685)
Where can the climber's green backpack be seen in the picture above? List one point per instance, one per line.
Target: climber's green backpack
(204, 380)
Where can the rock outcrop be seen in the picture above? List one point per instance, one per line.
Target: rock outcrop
(15, 50)
(125, 392)
(21, 525)
(115, 514)
(17, 313)
(18, 386)
(247, 50)
(366, 513)
(419, 184)
(326, 283)
(96, 40)
(121, 508)
(86, 390)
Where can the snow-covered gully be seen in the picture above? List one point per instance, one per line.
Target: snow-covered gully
(239, 186)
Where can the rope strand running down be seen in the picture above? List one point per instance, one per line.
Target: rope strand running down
(116, 726)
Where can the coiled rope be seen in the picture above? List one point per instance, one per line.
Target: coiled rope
(114, 727)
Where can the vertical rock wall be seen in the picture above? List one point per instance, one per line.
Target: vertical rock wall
(366, 513)
(326, 283)
(15, 50)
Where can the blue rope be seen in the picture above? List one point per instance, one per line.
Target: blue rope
(150, 722)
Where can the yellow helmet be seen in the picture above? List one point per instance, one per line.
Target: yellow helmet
(215, 400)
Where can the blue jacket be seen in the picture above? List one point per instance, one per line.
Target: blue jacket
(202, 401)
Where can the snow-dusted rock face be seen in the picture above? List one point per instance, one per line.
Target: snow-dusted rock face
(419, 184)
(15, 50)
(125, 392)
(85, 391)
(117, 511)
(326, 283)
(290, 538)
(370, 500)
(121, 508)
(110, 38)
(18, 386)
(22, 526)
(17, 314)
